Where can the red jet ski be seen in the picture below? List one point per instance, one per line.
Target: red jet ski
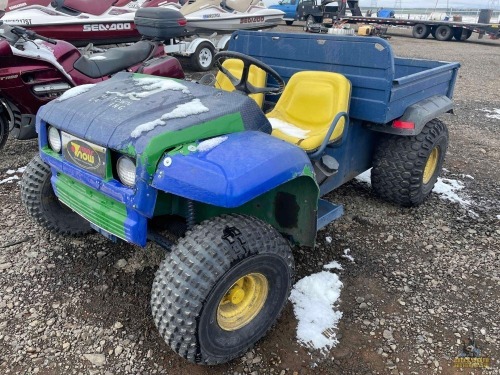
(80, 21)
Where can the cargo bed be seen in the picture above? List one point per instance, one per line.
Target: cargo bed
(383, 86)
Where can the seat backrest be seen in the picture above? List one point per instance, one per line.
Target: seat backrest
(310, 102)
(256, 76)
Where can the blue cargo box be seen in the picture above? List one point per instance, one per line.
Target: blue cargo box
(383, 86)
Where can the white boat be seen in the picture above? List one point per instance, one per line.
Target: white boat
(226, 16)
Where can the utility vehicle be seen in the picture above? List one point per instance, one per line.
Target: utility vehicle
(138, 155)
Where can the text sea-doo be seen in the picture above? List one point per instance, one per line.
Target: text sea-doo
(227, 16)
(78, 21)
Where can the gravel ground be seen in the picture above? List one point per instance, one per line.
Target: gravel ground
(423, 279)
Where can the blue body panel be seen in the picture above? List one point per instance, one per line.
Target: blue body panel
(288, 8)
(242, 167)
(383, 86)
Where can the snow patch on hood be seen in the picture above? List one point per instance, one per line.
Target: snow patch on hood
(151, 86)
(209, 144)
(193, 107)
(75, 91)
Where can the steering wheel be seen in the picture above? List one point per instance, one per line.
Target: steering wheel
(242, 84)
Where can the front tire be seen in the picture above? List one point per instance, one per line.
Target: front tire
(203, 58)
(405, 169)
(42, 204)
(222, 288)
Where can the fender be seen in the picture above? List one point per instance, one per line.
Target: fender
(248, 172)
(243, 166)
(419, 114)
(195, 43)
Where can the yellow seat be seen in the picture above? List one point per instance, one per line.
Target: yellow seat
(306, 109)
(256, 76)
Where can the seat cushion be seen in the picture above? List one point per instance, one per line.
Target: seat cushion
(256, 76)
(305, 111)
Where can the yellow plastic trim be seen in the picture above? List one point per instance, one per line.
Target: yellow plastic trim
(256, 76)
(431, 165)
(311, 101)
(242, 302)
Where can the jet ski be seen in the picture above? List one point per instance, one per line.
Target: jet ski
(226, 16)
(80, 21)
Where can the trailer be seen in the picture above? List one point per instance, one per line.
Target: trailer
(440, 30)
(199, 49)
(321, 14)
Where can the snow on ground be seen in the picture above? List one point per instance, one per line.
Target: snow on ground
(287, 128)
(347, 255)
(209, 144)
(193, 107)
(492, 113)
(19, 170)
(446, 188)
(314, 298)
(75, 91)
(9, 180)
(333, 265)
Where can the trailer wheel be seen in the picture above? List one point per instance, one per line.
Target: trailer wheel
(289, 23)
(460, 34)
(202, 59)
(4, 129)
(421, 31)
(42, 204)
(405, 169)
(222, 288)
(444, 33)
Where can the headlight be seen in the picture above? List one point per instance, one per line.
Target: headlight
(54, 139)
(125, 168)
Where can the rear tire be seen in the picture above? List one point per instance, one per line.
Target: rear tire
(289, 23)
(4, 129)
(421, 31)
(202, 299)
(203, 58)
(405, 169)
(309, 21)
(42, 204)
(444, 33)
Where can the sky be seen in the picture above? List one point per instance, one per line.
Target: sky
(471, 4)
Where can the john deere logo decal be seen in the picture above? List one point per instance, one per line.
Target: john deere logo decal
(83, 155)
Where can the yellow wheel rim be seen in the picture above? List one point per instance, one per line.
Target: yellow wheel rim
(242, 302)
(431, 165)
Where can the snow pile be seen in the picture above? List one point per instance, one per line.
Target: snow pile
(13, 175)
(97, 57)
(494, 113)
(18, 170)
(193, 107)
(313, 299)
(75, 91)
(209, 144)
(287, 128)
(447, 189)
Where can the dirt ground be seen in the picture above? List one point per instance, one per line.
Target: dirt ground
(423, 279)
